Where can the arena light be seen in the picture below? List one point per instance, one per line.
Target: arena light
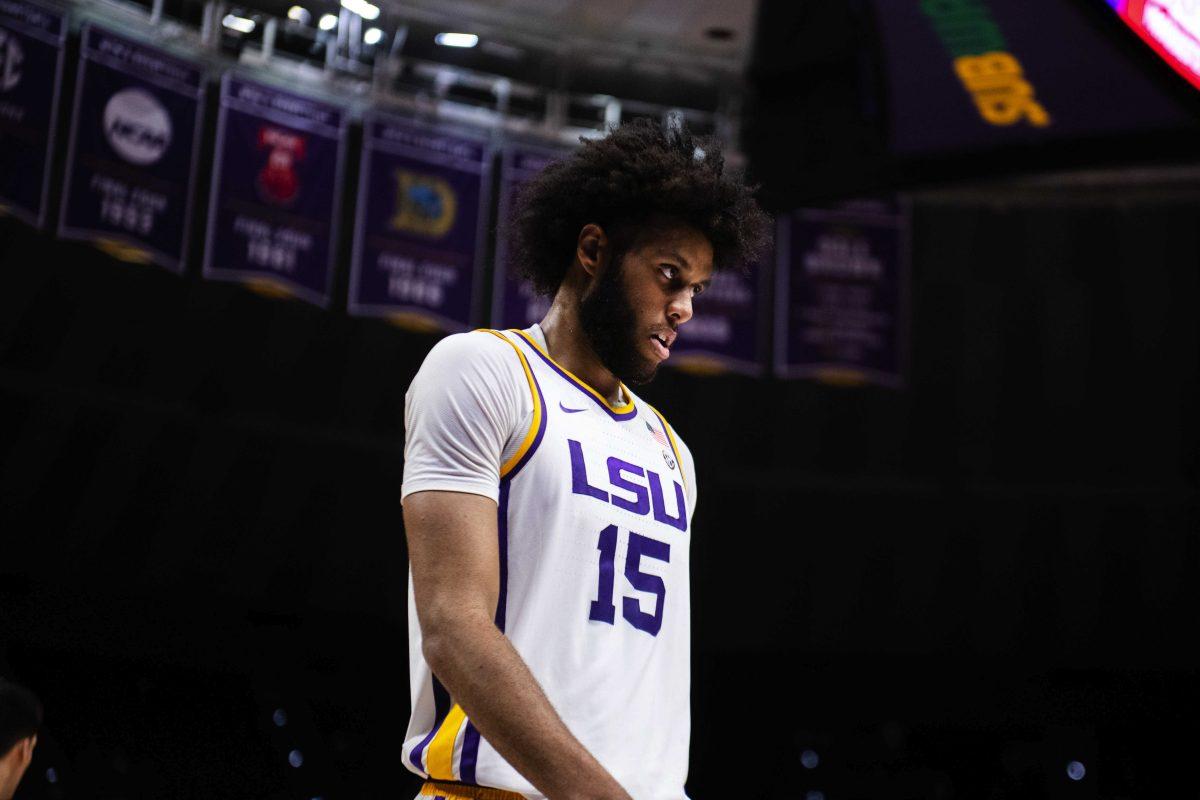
(299, 14)
(239, 24)
(327, 22)
(456, 39)
(1170, 27)
(362, 8)
(373, 36)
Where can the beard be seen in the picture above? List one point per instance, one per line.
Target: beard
(610, 325)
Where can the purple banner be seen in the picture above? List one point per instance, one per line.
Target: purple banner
(31, 61)
(514, 302)
(275, 203)
(132, 152)
(841, 296)
(419, 233)
(726, 330)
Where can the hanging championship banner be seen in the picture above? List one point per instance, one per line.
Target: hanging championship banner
(31, 62)
(132, 152)
(419, 233)
(514, 302)
(841, 293)
(726, 331)
(275, 203)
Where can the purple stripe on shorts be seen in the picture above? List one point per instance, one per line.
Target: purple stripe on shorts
(470, 754)
(441, 707)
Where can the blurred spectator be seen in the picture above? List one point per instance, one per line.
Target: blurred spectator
(20, 718)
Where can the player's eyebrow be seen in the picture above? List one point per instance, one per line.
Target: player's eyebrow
(676, 255)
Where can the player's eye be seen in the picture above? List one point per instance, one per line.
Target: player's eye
(698, 289)
(669, 272)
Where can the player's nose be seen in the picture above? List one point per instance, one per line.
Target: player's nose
(679, 309)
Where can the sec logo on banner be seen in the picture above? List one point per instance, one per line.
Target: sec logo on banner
(137, 126)
(11, 57)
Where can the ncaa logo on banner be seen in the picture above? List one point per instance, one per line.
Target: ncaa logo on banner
(11, 56)
(137, 126)
(425, 204)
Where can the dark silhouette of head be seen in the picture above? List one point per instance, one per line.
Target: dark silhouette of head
(20, 720)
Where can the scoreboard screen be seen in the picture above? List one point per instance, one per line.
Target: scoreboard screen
(1171, 27)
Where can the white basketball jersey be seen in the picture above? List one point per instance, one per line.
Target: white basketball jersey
(593, 524)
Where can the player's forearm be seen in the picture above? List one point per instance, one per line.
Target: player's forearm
(488, 678)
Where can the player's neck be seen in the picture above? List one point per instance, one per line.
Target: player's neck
(568, 345)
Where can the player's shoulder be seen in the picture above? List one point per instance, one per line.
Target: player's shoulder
(481, 363)
(473, 349)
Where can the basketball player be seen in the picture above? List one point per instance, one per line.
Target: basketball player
(548, 508)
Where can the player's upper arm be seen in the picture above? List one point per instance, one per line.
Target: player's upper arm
(465, 409)
(454, 556)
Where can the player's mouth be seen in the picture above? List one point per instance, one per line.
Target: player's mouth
(662, 344)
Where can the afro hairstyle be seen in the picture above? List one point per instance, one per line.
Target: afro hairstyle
(640, 173)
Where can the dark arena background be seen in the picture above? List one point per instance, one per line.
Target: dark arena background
(958, 559)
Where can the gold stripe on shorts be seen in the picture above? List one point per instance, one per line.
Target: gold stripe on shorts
(463, 791)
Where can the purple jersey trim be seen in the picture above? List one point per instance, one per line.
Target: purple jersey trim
(620, 417)
(537, 440)
(470, 749)
(502, 532)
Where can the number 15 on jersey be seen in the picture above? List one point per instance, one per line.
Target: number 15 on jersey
(603, 608)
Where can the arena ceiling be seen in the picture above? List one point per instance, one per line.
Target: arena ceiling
(687, 53)
(706, 34)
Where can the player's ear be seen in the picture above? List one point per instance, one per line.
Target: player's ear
(591, 248)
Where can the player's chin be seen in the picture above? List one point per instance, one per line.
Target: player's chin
(642, 372)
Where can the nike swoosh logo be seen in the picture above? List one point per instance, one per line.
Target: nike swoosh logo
(570, 410)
